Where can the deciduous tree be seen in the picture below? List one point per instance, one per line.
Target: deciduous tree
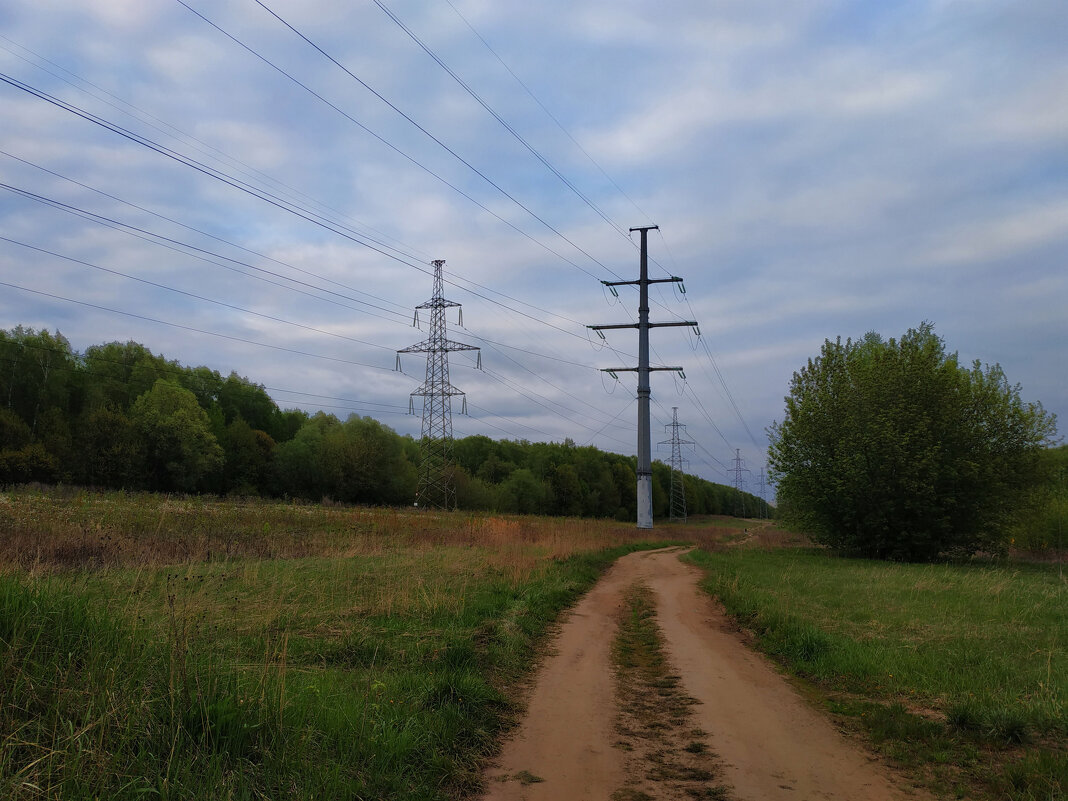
(894, 450)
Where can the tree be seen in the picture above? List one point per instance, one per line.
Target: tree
(110, 451)
(248, 453)
(180, 449)
(891, 449)
(522, 492)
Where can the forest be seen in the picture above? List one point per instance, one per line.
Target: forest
(122, 417)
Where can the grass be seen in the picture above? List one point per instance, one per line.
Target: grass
(960, 671)
(188, 648)
(672, 758)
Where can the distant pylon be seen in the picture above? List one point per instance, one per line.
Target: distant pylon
(764, 501)
(678, 488)
(436, 488)
(739, 470)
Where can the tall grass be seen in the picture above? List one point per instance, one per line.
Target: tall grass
(191, 648)
(48, 528)
(950, 663)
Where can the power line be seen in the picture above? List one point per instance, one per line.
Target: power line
(545, 109)
(177, 245)
(400, 152)
(211, 172)
(187, 138)
(501, 120)
(112, 222)
(188, 228)
(190, 328)
(248, 189)
(436, 140)
(192, 294)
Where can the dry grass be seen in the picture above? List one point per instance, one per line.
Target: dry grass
(58, 528)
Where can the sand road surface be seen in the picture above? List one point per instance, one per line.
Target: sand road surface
(771, 743)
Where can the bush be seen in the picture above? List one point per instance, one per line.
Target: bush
(891, 449)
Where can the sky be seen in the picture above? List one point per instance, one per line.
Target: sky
(261, 187)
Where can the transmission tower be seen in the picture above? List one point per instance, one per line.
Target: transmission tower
(436, 488)
(645, 467)
(739, 470)
(678, 489)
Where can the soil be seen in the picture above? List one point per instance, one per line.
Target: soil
(770, 743)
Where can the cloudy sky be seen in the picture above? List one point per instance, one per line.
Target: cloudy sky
(260, 187)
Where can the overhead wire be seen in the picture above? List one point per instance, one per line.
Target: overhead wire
(544, 108)
(458, 285)
(193, 229)
(211, 172)
(202, 253)
(396, 149)
(434, 138)
(478, 98)
(488, 299)
(193, 295)
(190, 328)
(198, 144)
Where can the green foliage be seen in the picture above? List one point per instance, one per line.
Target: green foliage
(1043, 523)
(523, 493)
(121, 416)
(942, 664)
(180, 449)
(891, 449)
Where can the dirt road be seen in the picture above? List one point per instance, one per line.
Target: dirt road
(771, 744)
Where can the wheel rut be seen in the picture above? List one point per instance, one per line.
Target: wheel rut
(769, 743)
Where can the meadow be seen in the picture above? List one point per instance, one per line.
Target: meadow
(184, 647)
(959, 671)
(188, 647)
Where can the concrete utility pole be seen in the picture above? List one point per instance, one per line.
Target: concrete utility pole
(645, 469)
(678, 487)
(436, 488)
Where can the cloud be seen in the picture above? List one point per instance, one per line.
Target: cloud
(818, 168)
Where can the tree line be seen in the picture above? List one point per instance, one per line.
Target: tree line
(120, 416)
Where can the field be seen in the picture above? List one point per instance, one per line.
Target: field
(180, 647)
(190, 648)
(959, 671)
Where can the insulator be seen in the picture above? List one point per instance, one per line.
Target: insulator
(478, 364)
(398, 367)
(682, 287)
(682, 374)
(411, 405)
(460, 317)
(600, 333)
(463, 405)
(697, 330)
(613, 374)
(415, 319)
(614, 291)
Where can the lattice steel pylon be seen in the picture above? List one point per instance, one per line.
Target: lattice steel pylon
(436, 489)
(678, 487)
(739, 471)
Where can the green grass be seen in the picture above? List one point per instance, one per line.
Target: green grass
(380, 674)
(958, 670)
